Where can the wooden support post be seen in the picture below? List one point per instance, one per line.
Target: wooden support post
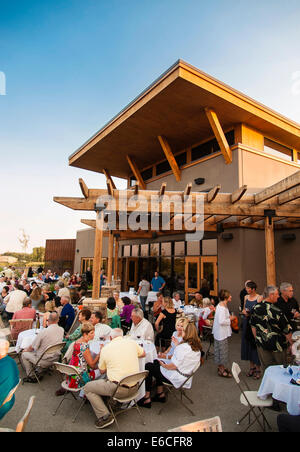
(170, 157)
(270, 252)
(97, 257)
(110, 257)
(136, 172)
(116, 259)
(219, 134)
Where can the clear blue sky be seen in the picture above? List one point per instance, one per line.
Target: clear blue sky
(70, 66)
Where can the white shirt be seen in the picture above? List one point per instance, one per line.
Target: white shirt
(144, 329)
(15, 300)
(186, 360)
(177, 304)
(222, 324)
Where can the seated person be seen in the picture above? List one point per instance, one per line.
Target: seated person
(67, 315)
(112, 309)
(177, 302)
(119, 301)
(126, 312)
(183, 363)
(46, 338)
(197, 301)
(27, 312)
(102, 331)
(79, 355)
(9, 378)
(158, 304)
(83, 318)
(141, 328)
(166, 320)
(176, 339)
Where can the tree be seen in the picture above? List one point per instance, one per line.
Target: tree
(38, 254)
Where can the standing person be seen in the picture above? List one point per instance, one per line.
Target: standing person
(89, 276)
(102, 280)
(288, 304)
(248, 346)
(243, 294)
(157, 283)
(205, 290)
(271, 330)
(168, 320)
(9, 378)
(30, 273)
(143, 290)
(221, 332)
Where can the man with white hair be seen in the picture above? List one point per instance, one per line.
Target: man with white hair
(288, 304)
(118, 359)
(9, 378)
(52, 335)
(141, 328)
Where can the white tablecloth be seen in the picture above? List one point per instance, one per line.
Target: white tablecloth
(26, 339)
(276, 381)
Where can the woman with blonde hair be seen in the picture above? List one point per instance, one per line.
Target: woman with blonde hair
(36, 297)
(186, 357)
(167, 318)
(176, 339)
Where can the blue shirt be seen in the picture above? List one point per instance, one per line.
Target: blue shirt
(157, 283)
(9, 378)
(68, 311)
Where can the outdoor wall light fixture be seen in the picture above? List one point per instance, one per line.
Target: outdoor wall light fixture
(199, 181)
(289, 236)
(227, 236)
(77, 251)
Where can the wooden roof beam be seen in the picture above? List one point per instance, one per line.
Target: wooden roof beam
(162, 189)
(109, 182)
(289, 195)
(219, 134)
(170, 157)
(238, 194)
(84, 188)
(277, 189)
(212, 194)
(136, 172)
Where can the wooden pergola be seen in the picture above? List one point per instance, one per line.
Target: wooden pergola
(274, 208)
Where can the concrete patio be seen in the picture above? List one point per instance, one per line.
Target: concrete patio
(212, 395)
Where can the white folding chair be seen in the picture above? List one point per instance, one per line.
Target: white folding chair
(212, 425)
(23, 422)
(69, 371)
(181, 390)
(130, 380)
(52, 350)
(74, 324)
(250, 399)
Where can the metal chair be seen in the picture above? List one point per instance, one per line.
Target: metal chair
(23, 422)
(208, 336)
(19, 325)
(74, 324)
(250, 399)
(69, 371)
(53, 349)
(131, 380)
(181, 390)
(212, 425)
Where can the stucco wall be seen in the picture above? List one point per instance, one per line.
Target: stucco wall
(85, 242)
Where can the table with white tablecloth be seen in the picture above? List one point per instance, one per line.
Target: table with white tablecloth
(276, 382)
(151, 297)
(26, 339)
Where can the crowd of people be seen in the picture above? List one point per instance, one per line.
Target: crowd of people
(267, 322)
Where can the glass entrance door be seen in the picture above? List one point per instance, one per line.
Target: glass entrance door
(209, 271)
(131, 273)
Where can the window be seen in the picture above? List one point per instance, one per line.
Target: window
(193, 249)
(126, 251)
(278, 150)
(135, 251)
(210, 147)
(179, 248)
(162, 167)
(166, 248)
(133, 181)
(147, 174)
(154, 249)
(145, 250)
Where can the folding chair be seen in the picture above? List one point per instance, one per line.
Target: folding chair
(74, 324)
(10, 395)
(69, 371)
(208, 336)
(57, 348)
(130, 380)
(250, 399)
(23, 422)
(19, 326)
(181, 390)
(212, 425)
